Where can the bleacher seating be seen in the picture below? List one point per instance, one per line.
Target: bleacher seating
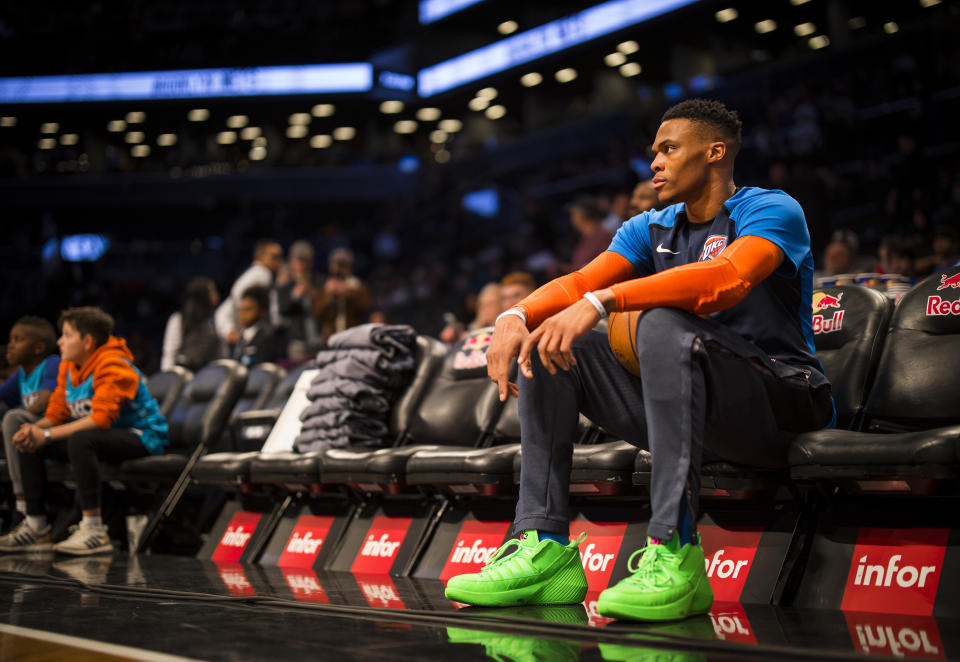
(166, 386)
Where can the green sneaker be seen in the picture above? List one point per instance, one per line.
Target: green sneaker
(501, 646)
(669, 583)
(538, 572)
(698, 627)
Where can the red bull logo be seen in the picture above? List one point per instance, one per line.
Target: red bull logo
(825, 323)
(712, 247)
(937, 307)
(473, 352)
(949, 281)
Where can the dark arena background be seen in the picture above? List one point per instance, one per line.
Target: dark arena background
(423, 165)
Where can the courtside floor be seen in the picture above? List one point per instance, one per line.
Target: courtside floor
(164, 608)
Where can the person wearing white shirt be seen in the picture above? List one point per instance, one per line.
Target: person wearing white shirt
(267, 258)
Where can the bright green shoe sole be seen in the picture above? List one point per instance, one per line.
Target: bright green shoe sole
(568, 586)
(696, 602)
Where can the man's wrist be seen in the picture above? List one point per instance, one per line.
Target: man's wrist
(597, 304)
(512, 312)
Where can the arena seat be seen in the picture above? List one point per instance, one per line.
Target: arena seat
(166, 386)
(908, 439)
(359, 465)
(250, 428)
(197, 421)
(262, 379)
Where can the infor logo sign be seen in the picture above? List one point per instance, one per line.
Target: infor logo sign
(381, 544)
(728, 555)
(475, 544)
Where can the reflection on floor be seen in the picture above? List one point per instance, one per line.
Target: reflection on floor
(236, 611)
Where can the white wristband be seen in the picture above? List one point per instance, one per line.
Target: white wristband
(511, 311)
(592, 298)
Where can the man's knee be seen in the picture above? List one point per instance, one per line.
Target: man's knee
(16, 417)
(81, 441)
(661, 329)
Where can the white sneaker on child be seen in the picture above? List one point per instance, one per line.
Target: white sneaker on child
(85, 540)
(23, 538)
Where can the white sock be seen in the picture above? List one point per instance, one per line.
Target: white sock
(37, 522)
(22, 506)
(94, 522)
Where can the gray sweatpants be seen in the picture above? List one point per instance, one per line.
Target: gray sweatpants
(12, 421)
(704, 390)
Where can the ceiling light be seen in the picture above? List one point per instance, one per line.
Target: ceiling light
(260, 142)
(405, 126)
(797, 3)
(116, 126)
(615, 59)
(296, 131)
(488, 93)
(630, 69)
(891, 27)
(251, 132)
(300, 119)
(763, 27)
(134, 137)
(136, 117)
(442, 156)
(258, 154)
(167, 139)
(391, 107)
(47, 143)
(140, 151)
(628, 47)
(496, 112)
(566, 75)
(428, 114)
(804, 29)
(237, 121)
(439, 136)
(450, 125)
(198, 115)
(478, 103)
(531, 79)
(322, 110)
(508, 27)
(818, 42)
(929, 3)
(321, 141)
(344, 133)
(8, 121)
(49, 127)
(69, 139)
(726, 15)
(857, 22)
(226, 137)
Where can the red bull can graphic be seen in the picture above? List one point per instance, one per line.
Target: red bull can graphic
(824, 323)
(949, 281)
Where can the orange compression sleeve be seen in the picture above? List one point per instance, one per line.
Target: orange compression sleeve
(550, 299)
(704, 287)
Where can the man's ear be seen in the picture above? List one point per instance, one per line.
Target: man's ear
(89, 344)
(716, 151)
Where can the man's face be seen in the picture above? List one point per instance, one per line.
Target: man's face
(512, 294)
(248, 312)
(22, 347)
(644, 198)
(680, 165)
(272, 257)
(72, 345)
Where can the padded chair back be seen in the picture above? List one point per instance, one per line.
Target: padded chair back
(262, 379)
(428, 356)
(201, 414)
(456, 408)
(166, 387)
(849, 325)
(917, 382)
(285, 387)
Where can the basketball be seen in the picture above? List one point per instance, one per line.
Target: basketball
(622, 336)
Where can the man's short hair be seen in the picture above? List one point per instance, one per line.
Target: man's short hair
(42, 331)
(519, 278)
(261, 247)
(260, 295)
(587, 206)
(723, 122)
(88, 319)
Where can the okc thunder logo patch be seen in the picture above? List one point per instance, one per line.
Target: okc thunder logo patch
(712, 247)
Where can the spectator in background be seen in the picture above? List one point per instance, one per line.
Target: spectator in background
(837, 258)
(619, 211)
(587, 219)
(190, 339)
(32, 350)
(258, 338)
(643, 198)
(296, 287)
(946, 251)
(514, 287)
(267, 258)
(344, 301)
(488, 307)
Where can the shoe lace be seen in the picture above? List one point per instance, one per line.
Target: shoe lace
(501, 556)
(650, 564)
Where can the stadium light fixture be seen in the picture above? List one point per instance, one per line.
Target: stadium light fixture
(321, 141)
(226, 137)
(260, 142)
(198, 115)
(818, 42)
(47, 143)
(614, 59)
(508, 27)
(763, 27)
(323, 110)
(257, 153)
(344, 133)
(134, 137)
(439, 136)
(726, 15)
(69, 139)
(251, 132)
(299, 119)
(929, 3)
(628, 47)
(428, 114)
(116, 126)
(140, 151)
(496, 112)
(391, 107)
(488, 93)
(531, 79)
(49, 127)
(167, 139)
(237, 121)
(136, 117)
(450, 125)
(891, 27)
(442, 156)
(296, 131)
(797, 3)
(478, 103)
(8, 121)
(405, 126)
(630, 69)
(566, 75)
(804, 29)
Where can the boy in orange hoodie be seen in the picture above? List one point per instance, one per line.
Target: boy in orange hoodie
(100, 410)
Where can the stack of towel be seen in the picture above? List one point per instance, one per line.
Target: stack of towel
(363, 371)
